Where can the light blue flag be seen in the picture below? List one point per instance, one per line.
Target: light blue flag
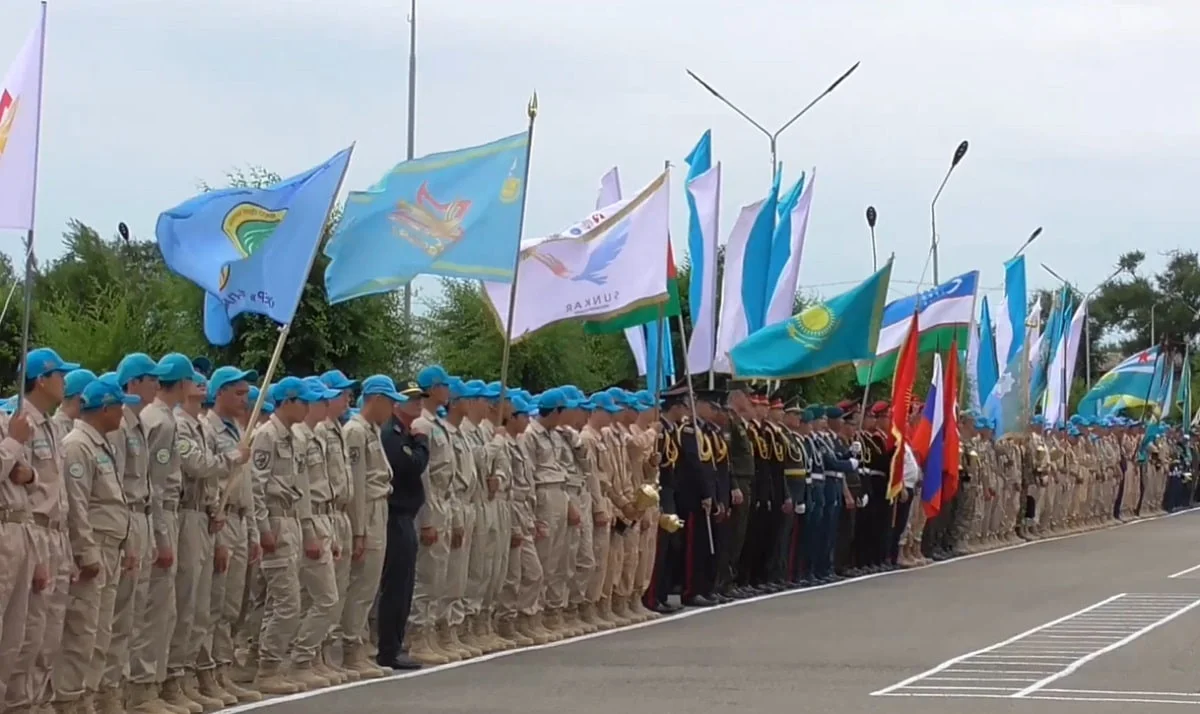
(253, 244)
(1017, 304)
(667, 374)
(456, 214)
(698, 161)
(781, 243)
(1125, 386)
(756, 262)
(1005, 405)
(1056, 327)
(824, 336)
(988, 368)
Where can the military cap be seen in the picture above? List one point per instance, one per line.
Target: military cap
(44, 361)
(834, 413)
(432, 376)
(880, 407)
(75, 381)
(105, 392)
(203, 365)
(712, 396)
(135, 366)
(335, 379)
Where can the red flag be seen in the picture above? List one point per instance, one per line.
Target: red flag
(950, 426)
(902, 390)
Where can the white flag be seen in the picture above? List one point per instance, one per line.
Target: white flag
(783, 301)
(972, 373)
(1061, 372)
(20, 117)
(705, 191)
(613, 261)
(734, 327)
(610, 193)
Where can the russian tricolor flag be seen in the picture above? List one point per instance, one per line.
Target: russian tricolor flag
(929, 442)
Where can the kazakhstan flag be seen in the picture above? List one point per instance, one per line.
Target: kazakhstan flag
(456, 214)
(823, 336)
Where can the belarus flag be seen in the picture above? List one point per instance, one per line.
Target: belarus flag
(929, 442)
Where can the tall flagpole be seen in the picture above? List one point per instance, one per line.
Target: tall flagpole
(412, 118)
(531, 110)
(29, 256)
(716, 297)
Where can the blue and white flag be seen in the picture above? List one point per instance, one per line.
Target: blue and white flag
(1013, 311)
(945, 314)
(704, 204)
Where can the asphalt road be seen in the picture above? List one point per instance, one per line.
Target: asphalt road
(830, 649)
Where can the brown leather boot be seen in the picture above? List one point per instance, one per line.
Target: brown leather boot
(206, 682)
(420, 650)
(244, 694)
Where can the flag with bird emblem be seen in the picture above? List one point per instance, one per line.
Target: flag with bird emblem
(614, 261)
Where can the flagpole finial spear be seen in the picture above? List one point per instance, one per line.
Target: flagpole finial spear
(532, 109)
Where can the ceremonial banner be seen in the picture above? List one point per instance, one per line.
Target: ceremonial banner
(704, 202)
(613, 261)
(826, 335)
(787, 251)
(733, 326)
(456, 214)
(20, 120)
(946, 312)
(251, 249)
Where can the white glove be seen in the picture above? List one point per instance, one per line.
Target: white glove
(853, 464)
(801, 509)
(856, 448)
(865, 498)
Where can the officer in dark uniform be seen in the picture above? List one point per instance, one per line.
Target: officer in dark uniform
(838, 464)
(667, 550)
(795, 472)
(408, 454)
(708, 407)
(875, 517)
(782, 515)
(695, 496)
(815, 516)
(741, 467)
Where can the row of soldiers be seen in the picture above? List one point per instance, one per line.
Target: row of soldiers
(147, 527)
(162, 554)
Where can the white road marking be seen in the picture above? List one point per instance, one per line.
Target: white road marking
(1053, 650)
(1074, 666)
(1184, 572)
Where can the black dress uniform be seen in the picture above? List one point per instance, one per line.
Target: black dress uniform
(741, 466)
(666, 551)
(408, 454)
(721, 503)
(696, 483)
(796, 472)
(760, 535)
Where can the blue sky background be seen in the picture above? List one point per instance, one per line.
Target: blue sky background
(1080, 114)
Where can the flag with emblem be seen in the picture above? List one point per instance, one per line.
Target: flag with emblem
(946, 311)
(823, 336)
(456, 214)
(612, 262)
(1125, 386)
(20, 124)
(251, 249)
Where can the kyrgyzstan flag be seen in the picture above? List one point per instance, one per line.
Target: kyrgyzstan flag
(902, 388)
(929, 443)
(950, 425)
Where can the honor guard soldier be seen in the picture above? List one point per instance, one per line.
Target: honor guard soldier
(29, 679)
(337, 460)
(796, 469)
(696, 487)
(98, 523)
(741, 462)
(708, 405)
(372, 477)
(280, 505)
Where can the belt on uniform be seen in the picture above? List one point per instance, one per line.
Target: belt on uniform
(140, 507)
(8, 516)
(195, 507)
(573, 487)
(555, 486)
(817, 476)
(795, 473)
(323, 509)
(279, 511)
(172, 506)
(43, 521)
(238, 511)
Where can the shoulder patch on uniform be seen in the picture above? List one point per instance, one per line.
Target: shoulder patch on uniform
(76, 470)
(262, 459)
(407, 450)
(163, 456)
(185, 447)
(355, 454)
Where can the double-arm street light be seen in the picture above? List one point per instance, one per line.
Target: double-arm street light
(773, 137)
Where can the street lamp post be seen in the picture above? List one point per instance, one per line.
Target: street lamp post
(959, 153)
(772, 137)
(1032, 237)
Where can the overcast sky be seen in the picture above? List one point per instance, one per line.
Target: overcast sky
(1082, 114)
